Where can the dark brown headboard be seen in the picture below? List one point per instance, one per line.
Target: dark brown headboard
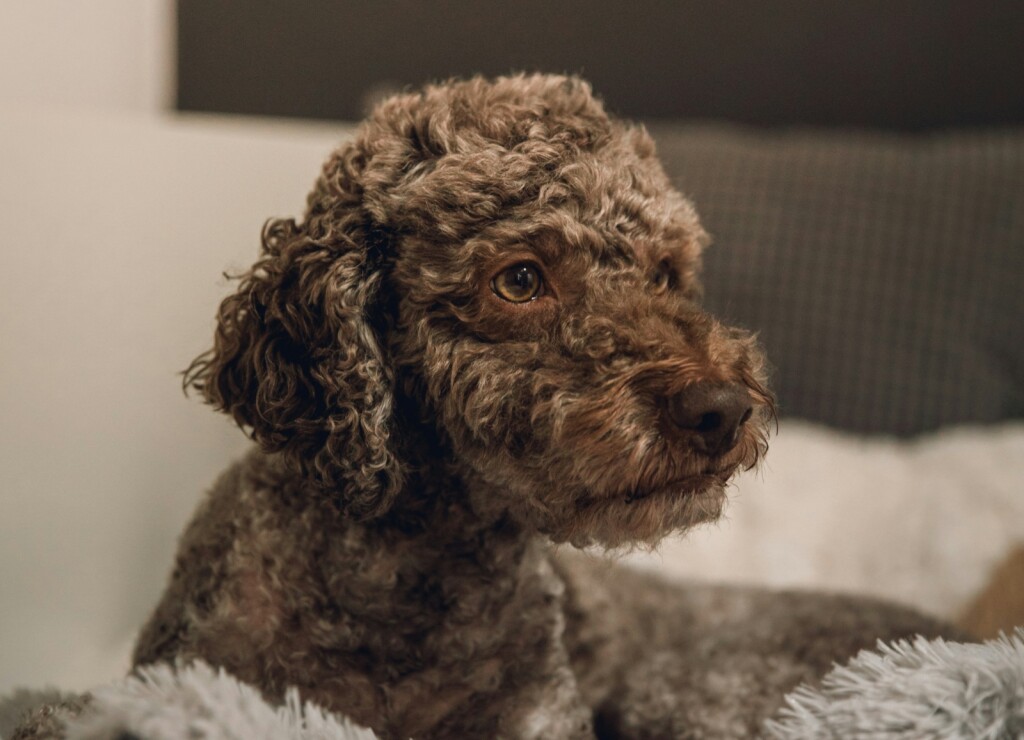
(897, 64)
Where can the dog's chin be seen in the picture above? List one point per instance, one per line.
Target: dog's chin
(644, 517)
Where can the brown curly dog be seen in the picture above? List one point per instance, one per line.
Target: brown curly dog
(485, 336)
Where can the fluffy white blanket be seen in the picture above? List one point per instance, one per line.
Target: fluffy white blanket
(922, 521)
(195, 702)
(913, 691)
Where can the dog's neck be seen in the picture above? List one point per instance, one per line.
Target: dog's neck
(430, 565)
(433, 563)
(437, 528)
(435, 498)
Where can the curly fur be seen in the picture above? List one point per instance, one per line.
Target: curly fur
(435, 188)
(386, 549)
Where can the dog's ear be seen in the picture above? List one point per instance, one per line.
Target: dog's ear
(297, 360)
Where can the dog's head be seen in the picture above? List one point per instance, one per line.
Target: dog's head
(514, 265)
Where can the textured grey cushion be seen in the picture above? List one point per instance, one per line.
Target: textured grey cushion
(883, 272)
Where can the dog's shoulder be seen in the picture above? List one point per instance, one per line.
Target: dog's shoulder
(239, 562)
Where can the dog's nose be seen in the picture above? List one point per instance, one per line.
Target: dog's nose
(713, 412)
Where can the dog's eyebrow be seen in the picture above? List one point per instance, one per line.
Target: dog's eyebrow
(604, 245)
(611, 248)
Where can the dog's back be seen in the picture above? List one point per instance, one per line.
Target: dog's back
(666, 660)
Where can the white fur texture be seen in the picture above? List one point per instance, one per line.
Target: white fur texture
(914, 691)
(198, 703)
(922, 522)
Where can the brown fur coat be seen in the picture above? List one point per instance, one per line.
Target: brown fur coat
(485, 336)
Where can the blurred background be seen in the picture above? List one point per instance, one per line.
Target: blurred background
(860, 167)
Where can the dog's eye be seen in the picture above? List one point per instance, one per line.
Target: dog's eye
(663, 278)
(517, 284)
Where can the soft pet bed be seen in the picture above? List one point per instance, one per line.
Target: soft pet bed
(924, 689)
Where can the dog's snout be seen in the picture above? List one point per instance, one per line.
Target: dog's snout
(713, 412)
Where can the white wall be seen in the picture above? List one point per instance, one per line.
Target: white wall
(119, 218)
(118, 227)
(110, 54)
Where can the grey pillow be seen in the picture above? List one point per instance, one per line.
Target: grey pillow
(882, 271)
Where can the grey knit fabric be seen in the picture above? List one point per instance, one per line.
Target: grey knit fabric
(882, 271)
